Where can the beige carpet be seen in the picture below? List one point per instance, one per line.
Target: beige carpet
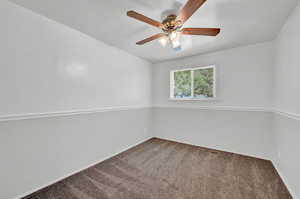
(160, 169)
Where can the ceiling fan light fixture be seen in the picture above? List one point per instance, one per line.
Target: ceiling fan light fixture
(174, 35)
(164, 41)
(176, 45)
(171, 26)
(174, 38)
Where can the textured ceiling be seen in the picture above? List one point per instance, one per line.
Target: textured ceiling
(242, 22)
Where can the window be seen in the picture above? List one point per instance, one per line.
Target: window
(195, 83)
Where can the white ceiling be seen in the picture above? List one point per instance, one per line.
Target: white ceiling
(242, 22)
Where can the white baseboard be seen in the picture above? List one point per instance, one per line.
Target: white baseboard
(214, 148)
(77, 171)
(284, 179)
(97, 162)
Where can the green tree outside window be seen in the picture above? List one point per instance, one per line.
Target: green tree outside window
(195, 83)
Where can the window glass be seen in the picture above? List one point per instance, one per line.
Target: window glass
(204, 83)
(183, 84)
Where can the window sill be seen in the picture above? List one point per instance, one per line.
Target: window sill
(193, 99)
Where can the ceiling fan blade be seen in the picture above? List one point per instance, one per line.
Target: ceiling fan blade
(157, 36)
(201, 31)
(144, 19)
(189, 9)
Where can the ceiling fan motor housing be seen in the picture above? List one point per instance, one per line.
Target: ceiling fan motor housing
(170, 23)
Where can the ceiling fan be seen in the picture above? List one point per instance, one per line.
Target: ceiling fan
(171, 26)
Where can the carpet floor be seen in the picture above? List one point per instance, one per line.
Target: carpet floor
(161, 169)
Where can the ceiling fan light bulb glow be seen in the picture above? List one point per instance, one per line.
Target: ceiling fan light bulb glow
(163, 41)
(173, 35)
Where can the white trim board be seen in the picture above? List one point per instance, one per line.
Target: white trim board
(217, 108)
(67, 113)
(27, 116)
(287, 114)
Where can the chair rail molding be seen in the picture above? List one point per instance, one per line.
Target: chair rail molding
(26, 116)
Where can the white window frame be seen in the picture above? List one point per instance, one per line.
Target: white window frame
(172, 84)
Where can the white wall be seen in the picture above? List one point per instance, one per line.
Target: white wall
(287, 98)
(236, 122)
(240, 132)
(35, 153)
(287, 132)
(46, 68)
(287, 70)
(246, 71)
